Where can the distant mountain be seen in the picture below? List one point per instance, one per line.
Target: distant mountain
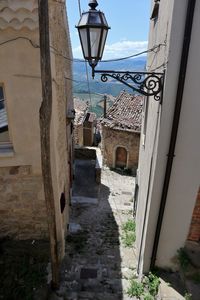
(96, 86)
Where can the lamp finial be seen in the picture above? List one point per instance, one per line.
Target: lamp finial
(93, 4)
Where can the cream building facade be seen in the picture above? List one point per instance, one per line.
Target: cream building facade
(22, 205)
(167, 193)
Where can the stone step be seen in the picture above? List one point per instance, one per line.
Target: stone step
(78, 200)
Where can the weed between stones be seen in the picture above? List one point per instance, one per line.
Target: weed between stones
(147, 289)
(128, 233)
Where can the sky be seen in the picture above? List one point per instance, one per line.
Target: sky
(129, 22)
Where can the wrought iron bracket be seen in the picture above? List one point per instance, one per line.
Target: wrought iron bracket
(145, 83)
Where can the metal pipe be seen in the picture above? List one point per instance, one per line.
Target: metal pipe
(175, 124)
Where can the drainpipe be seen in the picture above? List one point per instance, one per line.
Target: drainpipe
(175, 124)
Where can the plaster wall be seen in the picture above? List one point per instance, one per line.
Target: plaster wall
(20, 76)
(62, 102)
(184, 182)
(169, 30)
(22, 207)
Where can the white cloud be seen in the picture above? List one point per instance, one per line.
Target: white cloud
(77, 52)
(124, 48)
(117, 50)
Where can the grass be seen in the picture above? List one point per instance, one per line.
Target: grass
(128, 233)
(129, 226)
(152, 283)
(136, 288)
(148, 296)
(23, 268)
(147, 289)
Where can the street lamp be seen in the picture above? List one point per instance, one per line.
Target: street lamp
(93, 29)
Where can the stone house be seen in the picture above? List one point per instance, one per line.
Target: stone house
(22, 206)
(84, 124)
(121, 132)
(167, 205)
(89, 129)
(81, 109)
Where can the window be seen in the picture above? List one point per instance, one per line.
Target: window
(4, 135)
(155, 12)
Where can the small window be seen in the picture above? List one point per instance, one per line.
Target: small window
(4, 135)
(155, 11)
(62, 202)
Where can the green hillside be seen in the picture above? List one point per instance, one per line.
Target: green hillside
(97, 88)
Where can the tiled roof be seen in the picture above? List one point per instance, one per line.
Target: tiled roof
(125, 113)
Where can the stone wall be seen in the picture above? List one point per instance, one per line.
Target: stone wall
(78, 134)
(194, 234)
(111, 139)
(22, 206)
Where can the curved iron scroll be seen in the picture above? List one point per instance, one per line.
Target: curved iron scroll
(145, 83)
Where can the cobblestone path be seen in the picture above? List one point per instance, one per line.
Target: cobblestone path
(97, 265)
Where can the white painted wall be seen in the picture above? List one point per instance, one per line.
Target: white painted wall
(169, 28)
(185, 176)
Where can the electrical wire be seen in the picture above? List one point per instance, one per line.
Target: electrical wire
(135, 55)
(82, 60)
(79, 7)
(22, 38)
(86, 67)
(56, 52)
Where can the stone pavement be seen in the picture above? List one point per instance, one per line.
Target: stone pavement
(97, 265)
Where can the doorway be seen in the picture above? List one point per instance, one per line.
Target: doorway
(121, 157)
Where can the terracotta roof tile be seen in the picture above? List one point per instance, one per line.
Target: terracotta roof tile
(125, 113)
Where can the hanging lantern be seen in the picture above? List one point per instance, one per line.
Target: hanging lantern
(93, 29)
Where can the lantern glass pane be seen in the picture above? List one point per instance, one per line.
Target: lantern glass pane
(84, 41)
(105, 31)
(104, 19)
(83, 20)
(94, 18)
(95, 34)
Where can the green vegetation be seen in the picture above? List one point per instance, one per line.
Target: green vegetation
(128, 233)
(129, 226)
(196, 277)
(147, 289)
(147, 296)
(136, 288)
(152, 283)
(188, 296)
(183, 259)
(23, 268)
(188, 270)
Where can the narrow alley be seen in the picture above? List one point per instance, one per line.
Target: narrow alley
(97, 264)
